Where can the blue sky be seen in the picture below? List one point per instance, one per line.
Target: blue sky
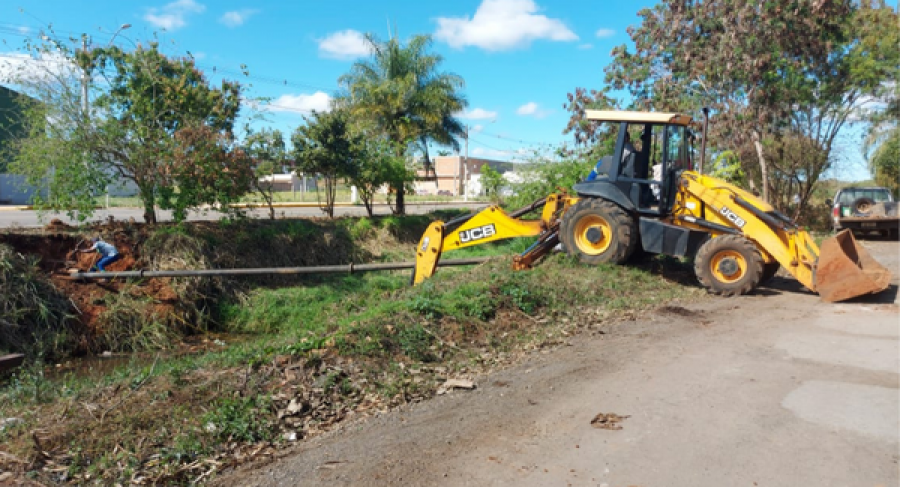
(519, 58)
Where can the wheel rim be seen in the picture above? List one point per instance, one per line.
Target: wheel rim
(728, 266)
(592, 245)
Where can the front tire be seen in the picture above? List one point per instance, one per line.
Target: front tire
(598, 231)
(729, 265)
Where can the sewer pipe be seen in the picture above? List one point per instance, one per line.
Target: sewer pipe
(324, 269)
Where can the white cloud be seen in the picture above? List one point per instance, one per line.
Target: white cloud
(586, 46)
(508, 155)
(478, 114)
(23, 29)
(21, 69)
(346, 44)
(500, 25)
(173, 15)
(532, 109)
(318, 101)
(604, 33)
(237, 17)
(478, 128)
(490, 153)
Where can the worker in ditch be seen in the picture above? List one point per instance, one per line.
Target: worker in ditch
(108, 253)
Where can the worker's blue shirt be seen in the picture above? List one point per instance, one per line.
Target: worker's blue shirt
(593, 175)
(105, 249)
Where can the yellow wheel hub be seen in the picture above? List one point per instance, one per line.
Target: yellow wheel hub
(728, 266)
(593, 235)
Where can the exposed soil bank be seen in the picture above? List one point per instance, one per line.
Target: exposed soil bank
(187, 305)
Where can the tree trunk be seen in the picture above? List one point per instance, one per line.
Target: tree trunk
(763, 167)
(330, 189)
(149, 206)
(401, 206)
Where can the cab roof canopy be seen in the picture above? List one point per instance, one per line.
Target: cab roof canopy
(637, 117)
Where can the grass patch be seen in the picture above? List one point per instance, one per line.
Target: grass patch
(301, 358)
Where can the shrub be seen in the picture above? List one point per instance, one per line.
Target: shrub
(35, 317)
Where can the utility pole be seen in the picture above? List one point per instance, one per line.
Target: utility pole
(466, 168)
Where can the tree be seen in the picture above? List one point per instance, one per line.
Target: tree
(727, 166)
(133, 131)
(269, 155)
(492, 182)
(770, 71)
(884, 162)
(375, 165)
(587, 132)
(399, 92)
(324, 145)
(204, 167)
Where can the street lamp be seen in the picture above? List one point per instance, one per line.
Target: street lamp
(120, 29)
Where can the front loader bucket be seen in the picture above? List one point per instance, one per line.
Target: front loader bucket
(846, 270)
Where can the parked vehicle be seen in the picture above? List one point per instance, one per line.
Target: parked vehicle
(865, 210)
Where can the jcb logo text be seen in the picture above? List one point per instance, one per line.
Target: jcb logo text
(732, 217)
(477, 233)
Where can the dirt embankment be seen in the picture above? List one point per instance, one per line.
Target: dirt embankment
(54, 252)
(101, 313)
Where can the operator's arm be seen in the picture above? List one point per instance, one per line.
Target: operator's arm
(89, 249)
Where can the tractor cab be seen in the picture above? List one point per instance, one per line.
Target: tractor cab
(651, 150)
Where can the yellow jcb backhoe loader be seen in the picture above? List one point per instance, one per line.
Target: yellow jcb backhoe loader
(651, 198)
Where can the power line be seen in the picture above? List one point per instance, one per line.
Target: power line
(12, 29)
(503, 137)
(481, 143)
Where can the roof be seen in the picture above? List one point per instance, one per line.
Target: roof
(647, 117)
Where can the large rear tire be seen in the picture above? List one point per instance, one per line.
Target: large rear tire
(597, 231)
(729, 265)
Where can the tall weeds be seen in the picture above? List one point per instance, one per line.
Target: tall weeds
(35, 319)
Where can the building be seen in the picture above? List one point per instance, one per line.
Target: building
(11, 126)
(454, 175)
(13, 188)
(288, 182)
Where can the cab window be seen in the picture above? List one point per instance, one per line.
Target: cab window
(677, 147)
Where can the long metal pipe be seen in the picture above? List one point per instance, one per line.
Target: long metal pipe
(324, 269)
(703, 144)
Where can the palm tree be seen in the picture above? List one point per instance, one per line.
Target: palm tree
(399, 92)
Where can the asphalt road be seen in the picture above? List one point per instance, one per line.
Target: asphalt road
(10, 217)
(772, 389)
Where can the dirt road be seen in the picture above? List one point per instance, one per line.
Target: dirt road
(775, 389)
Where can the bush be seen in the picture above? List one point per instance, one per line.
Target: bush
(35, 317)
(546, 175)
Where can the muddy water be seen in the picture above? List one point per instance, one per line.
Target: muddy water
(97, 366)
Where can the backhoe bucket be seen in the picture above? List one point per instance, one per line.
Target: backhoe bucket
(846, 270)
